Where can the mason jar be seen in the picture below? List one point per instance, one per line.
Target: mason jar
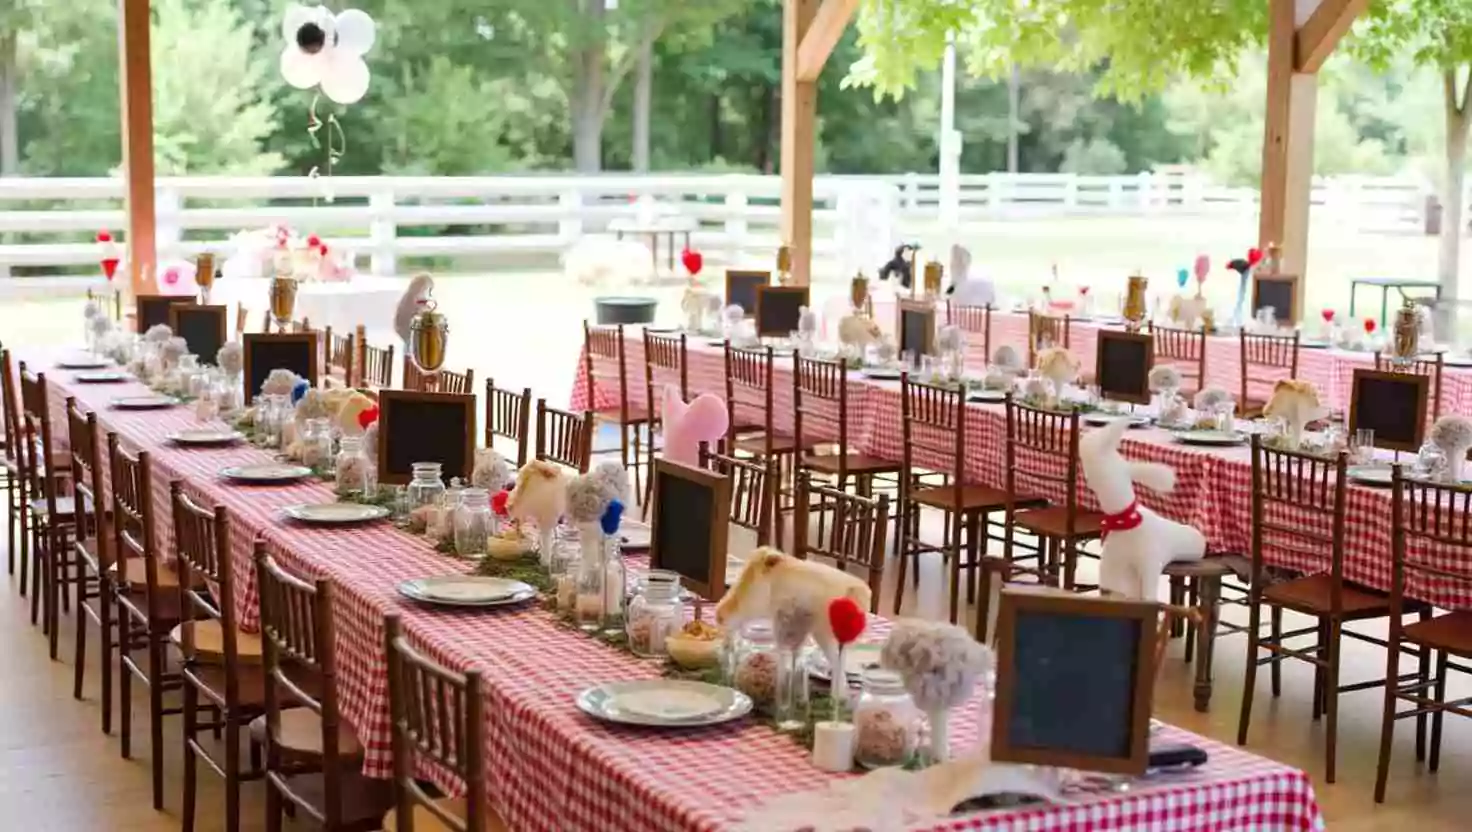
(352, 471)
(886, 721)
(757, 665)
(316, 443)
(473, 522)
(425, 488)
(655, 613)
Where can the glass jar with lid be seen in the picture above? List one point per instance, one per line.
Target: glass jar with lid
(271, 416)
(474, 522)
(316, 444)
(757, 664)
(353, 472)
(426, 488)
(886, 721)
(655, 613)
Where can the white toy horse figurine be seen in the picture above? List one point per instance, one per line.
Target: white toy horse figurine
(1138, 543)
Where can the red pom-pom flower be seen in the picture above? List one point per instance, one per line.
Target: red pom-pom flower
(1370, 325)
(692, 260)
(313, 241)
(847, 619)
(367, 417)
(498, 502)
(1254, 256)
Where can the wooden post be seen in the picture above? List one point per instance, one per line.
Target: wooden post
(137, 112)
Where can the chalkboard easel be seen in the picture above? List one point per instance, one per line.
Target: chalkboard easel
(151, 310)
(203, 328)
(1391, 404)
(689, 522)
(262, 352)
(778, 309)
(1122, 365)
(741, 287)
(418, 427)
(916, 326)
(1279, 291)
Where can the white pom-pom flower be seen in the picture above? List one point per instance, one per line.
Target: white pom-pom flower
(950, 339)
(279, 382)
(734, 314)
(940, 663)
(1451, 433)
(585, 499)
(158, 334)
(1007, 358)
(492, 472)
(230, 358)
(1164, 377)
(326, 50)
(1212, 399)
(807, 322)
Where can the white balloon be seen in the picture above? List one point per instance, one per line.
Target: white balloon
(356, 32)
(301, 70)
(295, 16)
(345, 79)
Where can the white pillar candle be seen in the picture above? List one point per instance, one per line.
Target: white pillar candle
(833, 746)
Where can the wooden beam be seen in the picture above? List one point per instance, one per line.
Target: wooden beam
(1287, 151)
(137, 111)
(1317, 37)
(799, 113)
(822, 35)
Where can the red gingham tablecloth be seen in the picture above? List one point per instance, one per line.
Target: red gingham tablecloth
(550, 768)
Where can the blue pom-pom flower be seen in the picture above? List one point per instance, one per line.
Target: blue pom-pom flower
(298, 390)
(612, 516)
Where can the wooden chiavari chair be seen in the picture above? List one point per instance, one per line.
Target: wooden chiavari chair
(93, 550)
(445, 381)
(1042, 458)
(666, 362)
(976, 320)
(1298, 507)
(1184, 349)
(1044, 331)
(1431, 542)
(340, 352)
(1266, 360)
(313, 756)
(753, 483)
(1430, 367)
(820, 398)
(851, 529)
(149, 602)
(436, 715)
(15, 490)
(934, 425)
(603, 345)
(750, 399)
(221, 663)
(375, 365)
(509, 415)
(563, 437)
(53, 514)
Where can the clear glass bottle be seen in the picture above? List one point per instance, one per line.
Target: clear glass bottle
(271, 416)
(886, 721)
(316, 444)
(474, 522)
(352, 472)
(757, 664)
(655, 613)
(592, 573)
(615, 584)
(426, 488)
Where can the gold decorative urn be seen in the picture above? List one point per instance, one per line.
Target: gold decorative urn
(784, 265)
(283, 300)
(1407, 333)
(934, 271)
(858, 293)
(204, 275)
(429, 335)
(1134, 302)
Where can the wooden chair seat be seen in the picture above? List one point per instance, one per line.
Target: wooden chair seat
(974, 498)
(852, 463)
(638, 414)
(780, 444)
(299, 734)
(1310, 595)
(1209, 567)
(135, 575)
(364, 799)
(1053, 522)
(1451, 632)
(209, 642)
(427, 821)
(1251, 408)
(251, 681)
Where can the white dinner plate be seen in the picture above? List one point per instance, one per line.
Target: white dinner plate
(270, 472)
(83, 362)
(856, 659)
(1377, 476)
(664, 703)
(102, 377)
(466, 591)
(335, 514)
(987, 396)
(1101, 419)
(881, 373)
(205, 436)
(1209, 437)
(635, 535)
(154, 402)
(1314, 344)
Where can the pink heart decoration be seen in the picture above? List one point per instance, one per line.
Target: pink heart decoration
(687, 425)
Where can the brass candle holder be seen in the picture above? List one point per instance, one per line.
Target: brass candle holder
(784, 265)
(204, 275)
(429, 336)
(283, 300)
(1407, 333)
(1134, 302)
(934, 271)
(858, 292)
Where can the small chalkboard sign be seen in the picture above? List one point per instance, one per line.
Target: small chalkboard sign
(1075, 681)
(1391, 404)
(263, 352)
(152, 310)
(1122, 365)
(778, 309)
(741, 286)
(692, 510)
(916, 327)
(204, 328)
(425, 427)
(1279, 291)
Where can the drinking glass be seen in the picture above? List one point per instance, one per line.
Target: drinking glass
(1362, 447)
(929, 368)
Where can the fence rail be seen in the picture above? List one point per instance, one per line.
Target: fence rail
(46, 224)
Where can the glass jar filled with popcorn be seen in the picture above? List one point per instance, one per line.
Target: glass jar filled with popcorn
(757, 665)
(316, 442)
(886, 721)
(353, 473)
(654, 614)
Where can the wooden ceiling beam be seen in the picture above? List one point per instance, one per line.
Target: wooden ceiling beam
(822, 35)
(1315, 40)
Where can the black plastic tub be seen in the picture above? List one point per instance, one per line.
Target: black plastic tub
(624, 310)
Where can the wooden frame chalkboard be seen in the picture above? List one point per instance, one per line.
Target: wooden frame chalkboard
(1279, 291)
(741, 286)
(1075, 680)
(151, 310)
(778, 309)
(1393, 405)
(262, 352)
(1122, 364)
(433, 421)
(689, 524)
(204, 328)
(915, 319)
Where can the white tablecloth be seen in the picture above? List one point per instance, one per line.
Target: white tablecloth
(363, 300)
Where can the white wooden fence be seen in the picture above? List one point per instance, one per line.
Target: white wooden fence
(46, 225)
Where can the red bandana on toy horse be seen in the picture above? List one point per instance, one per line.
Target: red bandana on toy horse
(1123, 521)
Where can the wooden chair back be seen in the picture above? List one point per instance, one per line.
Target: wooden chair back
(445, 381)
(820, 405)
(1430, 367)
(1266, 360)
(509, 415)
(855, 535)
(750, 392)
(297, 636)
(753, 490)
(564, 437)
(10, 403)
(38, 446)
(1042, 458)
(267, 324)
(340, 352)
(87, 485)
(1298, 508)
(1184, 349)
(605, 361)
(133, 529)
(1431, 536)
(933, 421)
(436, 715)
(375, 364)
(665, 362)
(1044, 331)
(207, 581)
(973, 319)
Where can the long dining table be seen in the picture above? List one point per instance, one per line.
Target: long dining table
(549, 766)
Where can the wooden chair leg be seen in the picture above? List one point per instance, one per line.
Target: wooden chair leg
(156, 717)
(1322, 651)
(106, 602)
(55, 568)
(12, 519)
(1387, 712)
(190, 716)
(1440, 695)
(902, 534)
(1277, 635)
(1331, 699)
(273, 808)
(1423, 678)
(232, 772)
(38, 568)
(79, 649)
(1177, 594)
(125, 682)
(25, 538)
(1249, 674)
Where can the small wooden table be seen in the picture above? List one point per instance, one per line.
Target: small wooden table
(1385, 284)
(653, 228)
